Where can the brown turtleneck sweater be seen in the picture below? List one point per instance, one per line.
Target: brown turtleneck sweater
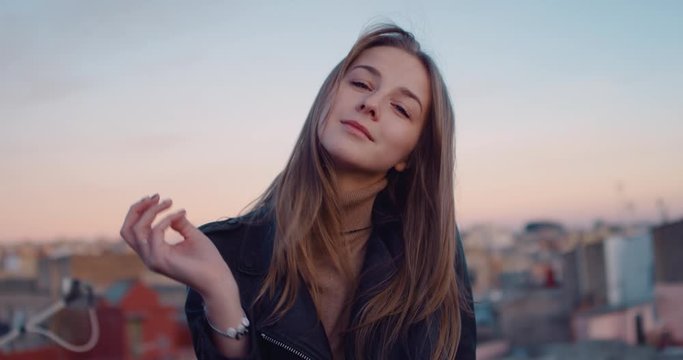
(334, 301)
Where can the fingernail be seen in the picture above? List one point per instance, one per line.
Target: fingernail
(155, 196)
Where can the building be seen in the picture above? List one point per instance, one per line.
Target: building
(20, 298)
(630, 269)
(487, 248)
(668, 253)
(617, 271)
(134, 325)
(610, 281)
(535, 316)
(98, 270)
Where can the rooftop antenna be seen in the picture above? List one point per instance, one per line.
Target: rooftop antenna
(627, 208)
(73, 290)
(663, 210)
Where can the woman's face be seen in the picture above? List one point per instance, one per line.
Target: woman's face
(378, 113)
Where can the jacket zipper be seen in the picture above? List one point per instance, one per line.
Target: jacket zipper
(285, 346)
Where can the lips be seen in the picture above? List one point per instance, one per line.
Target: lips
(359, 127)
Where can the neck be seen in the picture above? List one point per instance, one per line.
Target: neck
(356, 207)
(347, 182)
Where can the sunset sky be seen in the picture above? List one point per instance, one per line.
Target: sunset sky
(565, 111)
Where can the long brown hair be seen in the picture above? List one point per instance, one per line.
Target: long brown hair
(304, 202)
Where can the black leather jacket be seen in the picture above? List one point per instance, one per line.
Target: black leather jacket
(247, 246)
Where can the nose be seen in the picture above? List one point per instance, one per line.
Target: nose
(369, 106)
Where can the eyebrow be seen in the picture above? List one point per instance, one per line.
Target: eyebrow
(403, 90)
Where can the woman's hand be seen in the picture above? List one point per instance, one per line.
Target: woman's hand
(195, 261)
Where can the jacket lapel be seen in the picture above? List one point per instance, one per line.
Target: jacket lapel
(300, 327)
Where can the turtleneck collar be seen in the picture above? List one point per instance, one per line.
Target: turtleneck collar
(356, 206)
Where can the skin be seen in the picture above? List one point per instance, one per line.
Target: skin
(386, 90)
(194, 262)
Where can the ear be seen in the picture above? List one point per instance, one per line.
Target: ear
(401, 166)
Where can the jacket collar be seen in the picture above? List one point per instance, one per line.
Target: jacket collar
(300, 327)
(257, 249)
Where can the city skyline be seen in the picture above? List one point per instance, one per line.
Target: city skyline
(564, 112)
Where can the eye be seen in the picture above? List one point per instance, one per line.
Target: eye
(360, 85)
(401, 110)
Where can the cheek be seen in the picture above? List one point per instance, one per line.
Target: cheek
(402, 140)
(327, 133)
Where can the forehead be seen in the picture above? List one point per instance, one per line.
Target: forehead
(398, 68)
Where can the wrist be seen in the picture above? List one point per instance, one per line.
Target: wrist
(220, 286)
(225, 315)
(219, 298)
(232, 332)
(222, 302)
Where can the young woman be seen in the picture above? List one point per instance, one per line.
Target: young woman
(352, 252)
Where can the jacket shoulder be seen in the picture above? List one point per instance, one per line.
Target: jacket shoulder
(233, 223)
(226, 235)
(245, 242)
(228, 224)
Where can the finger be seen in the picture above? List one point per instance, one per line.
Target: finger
(133, 216)
(184, 227)
(164, 223)
(157, 244)
(135, 211)
(143, 224)
(142, 228)
(157, 237)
